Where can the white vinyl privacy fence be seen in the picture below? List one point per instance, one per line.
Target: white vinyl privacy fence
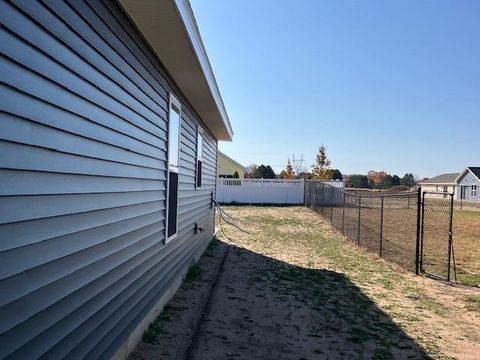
(262, 191)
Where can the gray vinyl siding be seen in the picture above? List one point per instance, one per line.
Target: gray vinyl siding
(83, 121)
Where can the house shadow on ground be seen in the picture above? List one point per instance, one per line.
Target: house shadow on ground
(262, 308)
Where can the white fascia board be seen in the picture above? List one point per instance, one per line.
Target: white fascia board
(186, 14)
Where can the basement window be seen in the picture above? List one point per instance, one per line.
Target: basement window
(199, 157)
(174, 128)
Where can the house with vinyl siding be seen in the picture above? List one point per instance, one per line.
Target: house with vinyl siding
(441, 183)
(227, 167)
(468, 183)
(464, 185)
(110, 117)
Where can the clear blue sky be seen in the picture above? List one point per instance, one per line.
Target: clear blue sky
(385, 85)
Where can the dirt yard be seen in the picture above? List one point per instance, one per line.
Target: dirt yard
(293, 288)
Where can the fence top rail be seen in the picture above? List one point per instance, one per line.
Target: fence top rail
(438, 193)
(387, 195)
(324, 181)
(260, 182)
(263, 180)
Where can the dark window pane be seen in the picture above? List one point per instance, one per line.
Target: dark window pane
(199, 173)
(172, 203)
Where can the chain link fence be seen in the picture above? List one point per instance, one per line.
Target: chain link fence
(422, 231)
(386, 224)
(436, 253)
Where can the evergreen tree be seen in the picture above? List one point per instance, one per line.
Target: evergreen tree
(395, 180)
(337, 175)
(359, 181)
(270, 174)
(265, 172)
(408, 180)
(387, 182)
(235, 175)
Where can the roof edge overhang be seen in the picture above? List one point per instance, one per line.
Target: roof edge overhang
(439, 183)
(170, 28)
(463, 173)
(232, 160)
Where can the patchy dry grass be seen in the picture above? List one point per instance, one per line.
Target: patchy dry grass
(473, 302)
(466, 235)
(399, 237)
(435, 315)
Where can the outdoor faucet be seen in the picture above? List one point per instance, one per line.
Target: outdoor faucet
(197, 229)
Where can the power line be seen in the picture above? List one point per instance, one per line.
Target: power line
(298, 164)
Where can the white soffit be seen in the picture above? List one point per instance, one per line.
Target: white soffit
(170, 28)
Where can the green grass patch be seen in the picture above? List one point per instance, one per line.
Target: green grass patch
(469, 279)
(426, 303)
(473, 302)
(151, 335)
(194, 273)
(277, 221)
(388, 284)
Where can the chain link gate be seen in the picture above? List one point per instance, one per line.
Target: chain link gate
(413, 229)
(436, 235)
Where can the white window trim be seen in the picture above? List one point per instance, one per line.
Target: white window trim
(473, 191)
(172, 102)
(201, 133)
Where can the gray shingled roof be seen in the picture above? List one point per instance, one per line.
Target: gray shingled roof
(442, 179)
(475, 170)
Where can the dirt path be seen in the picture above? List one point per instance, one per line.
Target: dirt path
(292, 289)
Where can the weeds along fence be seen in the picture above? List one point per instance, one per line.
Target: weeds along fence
(387, 224)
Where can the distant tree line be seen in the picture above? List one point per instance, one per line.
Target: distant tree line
(321, 170)
(380, 180)
(260, 172)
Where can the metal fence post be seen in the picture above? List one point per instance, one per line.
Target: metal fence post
(419, 227)
(304, 192)
(359, 218)
(422, 227)
(331, 207)
(343, 213)
(322, 185)
(380, 251)
(450, 237)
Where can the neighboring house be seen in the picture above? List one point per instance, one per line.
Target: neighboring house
(469, 184)
(465, 185)
(444, 183)
(226, 167)
(109, 122)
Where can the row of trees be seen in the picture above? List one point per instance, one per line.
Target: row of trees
(321, 170)
(259, 172)
(380, 180)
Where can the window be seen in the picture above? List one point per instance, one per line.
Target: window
(474, 190)
(174, 128)
(199, 157)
